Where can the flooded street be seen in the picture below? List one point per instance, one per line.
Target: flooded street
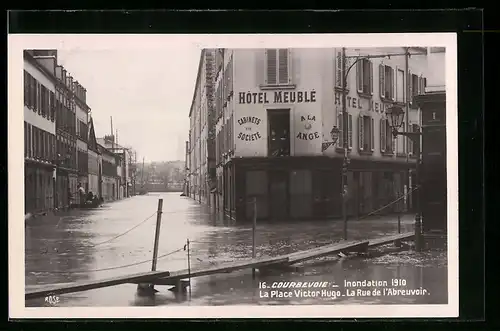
(83, 245)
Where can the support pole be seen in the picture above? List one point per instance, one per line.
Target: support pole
(254, 230)
(399, 223)
(345, 136)
(189, 268)
(418, 217)
(148, 289)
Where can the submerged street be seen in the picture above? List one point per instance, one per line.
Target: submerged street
(117, 239)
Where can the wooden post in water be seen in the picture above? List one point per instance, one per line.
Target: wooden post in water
(254, 229)
(148, 289)
(399, 223)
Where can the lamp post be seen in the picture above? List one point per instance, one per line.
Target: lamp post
(396, 115)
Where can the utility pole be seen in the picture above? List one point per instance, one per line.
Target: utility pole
(345, 137)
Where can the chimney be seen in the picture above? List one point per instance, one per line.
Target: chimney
(47, 58)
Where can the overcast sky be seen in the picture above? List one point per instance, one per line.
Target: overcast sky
(147, 92)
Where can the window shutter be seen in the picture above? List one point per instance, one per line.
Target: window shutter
(381, 75)
(382, 135)
(425, 84)
(360, 133)
(349, 132)
(410, 79)
(372, 134)
(271, 59)
(359, 75)
(338, 70)
(283, 59)
(25, 81)
(340, 122)
(393, 81)
(371, 77)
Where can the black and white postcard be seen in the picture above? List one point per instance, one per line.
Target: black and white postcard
(261, 176)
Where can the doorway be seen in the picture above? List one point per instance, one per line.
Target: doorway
(278, 132)
(278, 190)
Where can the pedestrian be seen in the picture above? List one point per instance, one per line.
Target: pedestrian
(81, 192)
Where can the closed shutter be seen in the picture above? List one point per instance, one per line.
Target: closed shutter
(393, 84)
(372, 134)
(340, 122)
(26, 87)
(283, 69)
(360, 133)
(381, 75)
(382, 135)
(338, 70)
(271, 72)
(359, 76)
(349, 138)
(410, 81)
(371, 77)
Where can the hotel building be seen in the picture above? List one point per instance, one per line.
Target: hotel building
(274, 110)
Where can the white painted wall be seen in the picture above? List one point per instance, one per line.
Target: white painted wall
(305, 117)
(30, 116)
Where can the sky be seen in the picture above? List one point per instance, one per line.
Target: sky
(147, 92)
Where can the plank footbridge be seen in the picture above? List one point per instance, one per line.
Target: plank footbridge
(177, 278)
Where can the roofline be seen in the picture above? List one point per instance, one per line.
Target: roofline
(200, 64)
(53, 77)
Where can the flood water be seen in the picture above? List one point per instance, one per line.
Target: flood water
(82, 245)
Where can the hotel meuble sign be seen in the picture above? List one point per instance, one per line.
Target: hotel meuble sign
(277, 97)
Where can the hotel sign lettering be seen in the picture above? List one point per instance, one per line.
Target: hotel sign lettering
(277, 97)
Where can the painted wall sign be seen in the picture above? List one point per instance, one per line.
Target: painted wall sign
(360, 103)
(277, 97)
(307, 126)
(245, 121)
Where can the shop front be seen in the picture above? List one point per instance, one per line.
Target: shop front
(302, 188)
(38, 186)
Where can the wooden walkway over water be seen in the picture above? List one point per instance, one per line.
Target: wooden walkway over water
(176, 278)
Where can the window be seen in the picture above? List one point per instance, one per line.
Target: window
(26, 88)
(33, 94)
(413, 145)
(387, 140)
(364, 76)
(340, 125)
(25, 138)
(366, 134)
(417, 86)
(277, 67)
(52, 106)
(279, 132)
(387, 86)
(400, 86)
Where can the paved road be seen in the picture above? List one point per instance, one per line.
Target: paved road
(83, 245)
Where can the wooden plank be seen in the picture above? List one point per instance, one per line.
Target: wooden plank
(224, 268)
(388, 239)
(143, 277)
(324, 251)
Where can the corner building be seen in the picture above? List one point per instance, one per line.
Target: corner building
(274, 110)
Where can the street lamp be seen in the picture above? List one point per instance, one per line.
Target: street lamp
(396, 116)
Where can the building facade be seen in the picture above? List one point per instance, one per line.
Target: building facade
(95, 162)
(275, 109)
(201, 146)
(110, 180)
(124, 159)
(39, 131)
(67, 167)
(82, 118)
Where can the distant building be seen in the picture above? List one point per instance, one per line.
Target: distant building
(95, 162)
(110, 179)
(123, 164)
(39, 131)
(201, 163)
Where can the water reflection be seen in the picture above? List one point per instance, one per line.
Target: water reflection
(68, 247)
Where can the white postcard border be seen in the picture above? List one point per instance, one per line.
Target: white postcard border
(18, 42)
